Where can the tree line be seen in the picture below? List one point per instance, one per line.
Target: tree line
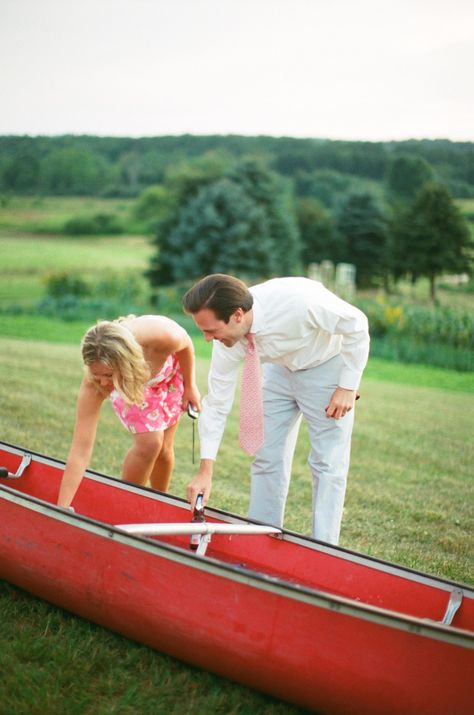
(121, 166)
(242, 217)
(270, 211)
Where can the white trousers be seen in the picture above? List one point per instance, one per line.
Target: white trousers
(286, 397)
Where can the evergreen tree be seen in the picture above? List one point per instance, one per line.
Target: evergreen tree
(325, 185)
(186, 178)
(317, 230)
(242, 223)
(221, 230)
(272, 194)
(161, 270)
(363, 229)
(432, 237)
(182, 184)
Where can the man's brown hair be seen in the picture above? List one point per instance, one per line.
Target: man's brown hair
(220, 293)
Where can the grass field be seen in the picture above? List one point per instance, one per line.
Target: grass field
(32, 246)
(27, 255)
(409, 500)
(466, 206)
(47, 214)
(28, 260)
(409, 497)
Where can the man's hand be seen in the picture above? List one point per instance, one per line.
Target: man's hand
(342, 401)
(201, 484)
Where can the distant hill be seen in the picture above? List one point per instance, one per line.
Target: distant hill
(123, 166)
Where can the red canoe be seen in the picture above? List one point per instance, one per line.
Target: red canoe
(331, 630)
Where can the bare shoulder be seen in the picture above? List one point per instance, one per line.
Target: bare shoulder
(156, 330)
(89, 395)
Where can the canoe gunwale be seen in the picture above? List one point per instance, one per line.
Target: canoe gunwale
(252, 578)
(293, 536)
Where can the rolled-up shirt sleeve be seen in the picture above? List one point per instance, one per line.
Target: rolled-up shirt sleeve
(218, 402)
(337, 317)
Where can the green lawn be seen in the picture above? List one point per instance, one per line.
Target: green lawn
(32, 246)
(26, 254)
(466, 206)
(409, 500)
(48, 214)
(29, 259)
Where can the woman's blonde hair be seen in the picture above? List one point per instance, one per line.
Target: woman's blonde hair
(112, 344)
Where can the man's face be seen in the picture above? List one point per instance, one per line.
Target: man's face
(214, 329)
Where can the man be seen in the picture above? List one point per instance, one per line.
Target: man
(313, 347)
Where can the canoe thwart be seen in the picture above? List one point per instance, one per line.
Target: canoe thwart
(5, 474)
(455, 600)
(188, 528)
(203, 529)
(204, 541)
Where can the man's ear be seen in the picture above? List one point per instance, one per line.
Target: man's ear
(238, 315)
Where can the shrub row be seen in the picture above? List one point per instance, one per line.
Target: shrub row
(408, 350)
(101, 224)
(443, 337)
(432, 326)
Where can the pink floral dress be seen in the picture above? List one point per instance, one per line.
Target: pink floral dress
(161, 407)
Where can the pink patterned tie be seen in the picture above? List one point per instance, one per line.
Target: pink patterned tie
(251, 405)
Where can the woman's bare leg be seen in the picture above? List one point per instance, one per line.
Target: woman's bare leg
(160, 476)
(141, 457)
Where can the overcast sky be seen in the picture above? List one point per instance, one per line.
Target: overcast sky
(340, 69)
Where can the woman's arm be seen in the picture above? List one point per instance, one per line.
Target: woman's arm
(160, 337)
(185, 355)
(89, 403)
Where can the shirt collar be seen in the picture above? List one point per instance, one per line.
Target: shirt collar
(258, 321)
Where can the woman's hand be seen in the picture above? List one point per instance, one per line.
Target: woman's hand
(191, 396)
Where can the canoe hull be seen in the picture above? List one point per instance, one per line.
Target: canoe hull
(286, 640)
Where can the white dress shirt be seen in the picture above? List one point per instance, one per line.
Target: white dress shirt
(297, 323)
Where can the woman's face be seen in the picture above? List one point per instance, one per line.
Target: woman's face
(102, 375)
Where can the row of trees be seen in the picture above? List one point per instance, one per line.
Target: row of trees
(381, 206)
(243, 218)
(114, 166)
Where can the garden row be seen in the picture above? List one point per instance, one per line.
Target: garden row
(434, 335)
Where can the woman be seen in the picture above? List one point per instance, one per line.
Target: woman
(145, 366)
